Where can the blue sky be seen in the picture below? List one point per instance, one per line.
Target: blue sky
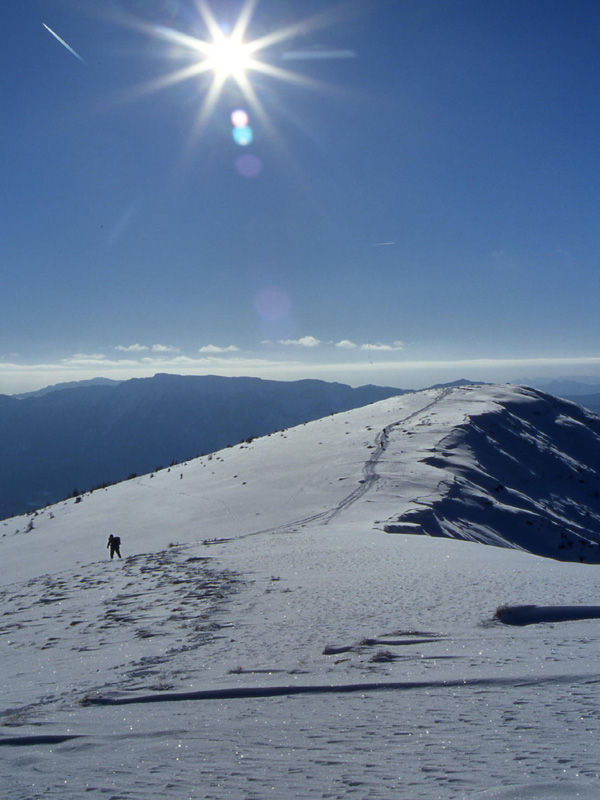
(419, 202)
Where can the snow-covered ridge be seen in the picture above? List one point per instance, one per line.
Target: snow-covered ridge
(506, 466)
(264, 636)
(523, 474)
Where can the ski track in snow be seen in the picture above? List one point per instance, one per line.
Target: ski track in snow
(333, 662)
(370, 476)
(370, 473)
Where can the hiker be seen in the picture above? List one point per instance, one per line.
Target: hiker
(114, 542)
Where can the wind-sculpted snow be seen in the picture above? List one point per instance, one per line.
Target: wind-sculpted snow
(532, 615)
(264, 637)
(524, 475)
(253, 692)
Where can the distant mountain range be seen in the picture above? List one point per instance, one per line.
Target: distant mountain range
(583, 391)
(71, 438)
(57, 387)
(591, 401)
(564, 387)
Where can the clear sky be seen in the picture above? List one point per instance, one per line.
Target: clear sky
(419, 200)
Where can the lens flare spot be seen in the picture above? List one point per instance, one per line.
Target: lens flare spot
(243, 136)
(240, 118)
(249, 166)
(273, 304)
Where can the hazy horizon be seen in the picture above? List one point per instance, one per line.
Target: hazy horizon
(405, 377)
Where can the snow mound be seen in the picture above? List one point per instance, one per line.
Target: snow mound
(531, 615)
(564, 790)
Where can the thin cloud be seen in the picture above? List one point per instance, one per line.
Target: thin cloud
(346, 344)
(142, 348)
(304, 341)
(213, 348)
(163, 361)
(85, 358)
(131, 348)
(383, 348)
(164, 348)
(311, 55)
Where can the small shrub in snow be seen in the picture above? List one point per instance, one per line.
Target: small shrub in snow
(502, 613)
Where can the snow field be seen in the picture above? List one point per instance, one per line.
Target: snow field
(266, 567)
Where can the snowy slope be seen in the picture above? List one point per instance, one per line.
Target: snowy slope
(264, 636)
(59, 443)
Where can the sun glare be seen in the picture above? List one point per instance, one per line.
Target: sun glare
(228, 57)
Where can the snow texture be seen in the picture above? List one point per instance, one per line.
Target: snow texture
(264, 636)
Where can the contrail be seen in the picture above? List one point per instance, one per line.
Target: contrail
(64, 44)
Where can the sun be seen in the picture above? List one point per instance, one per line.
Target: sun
(228, 56)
